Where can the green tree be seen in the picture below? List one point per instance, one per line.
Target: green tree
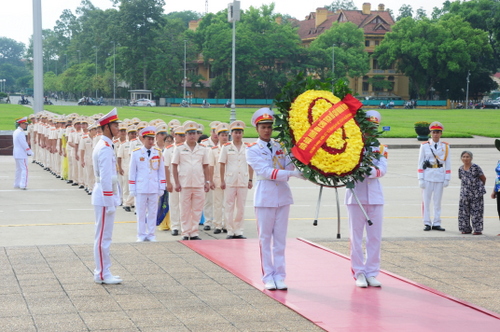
(404, 11)
(350, 56)
(185, 16)
(11, 65)
(429, 52)
(341, 4)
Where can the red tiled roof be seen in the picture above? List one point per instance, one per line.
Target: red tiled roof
(377, 22)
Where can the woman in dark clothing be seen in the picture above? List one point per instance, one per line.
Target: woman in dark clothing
(471, 206)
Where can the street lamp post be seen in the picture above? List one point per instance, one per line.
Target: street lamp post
(333, 67)
(467, 93)
(233, 14)
(114, 72)
(185, 78)
(95, 73)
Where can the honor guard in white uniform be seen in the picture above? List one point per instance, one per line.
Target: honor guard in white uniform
(105, 198)
(192, 180)
(208, 209)
(236, 178)
(174, 196)
(272, 198)
(434, 172)
(370, 194)
(147, 182)
(21, 152)
(123, 157)
(222, 131)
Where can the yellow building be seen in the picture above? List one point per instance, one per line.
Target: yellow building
(375, 24)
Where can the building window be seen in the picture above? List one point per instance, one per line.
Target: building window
(367, 43)
(377, 42)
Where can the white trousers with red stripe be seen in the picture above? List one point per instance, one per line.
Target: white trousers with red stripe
(21, 179)
(433, 191)
(146, 207)
(102, 241)
(272, 225)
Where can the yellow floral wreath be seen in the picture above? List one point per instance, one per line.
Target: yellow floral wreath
(343, 150)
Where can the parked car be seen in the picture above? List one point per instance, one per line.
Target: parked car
(145, 102)
(488, 104)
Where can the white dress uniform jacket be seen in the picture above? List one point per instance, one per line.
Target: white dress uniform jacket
(441, 153)
(21, 152)
(106, 190)
(146, 174)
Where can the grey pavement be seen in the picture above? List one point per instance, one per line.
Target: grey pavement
(46, 236)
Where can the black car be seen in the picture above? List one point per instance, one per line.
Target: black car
(488, 104)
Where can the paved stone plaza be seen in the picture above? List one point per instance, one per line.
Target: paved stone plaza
(46, 236)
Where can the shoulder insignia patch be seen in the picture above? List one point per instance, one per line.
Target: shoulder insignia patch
(136, 149)
(179, 144)
(213, 147)
(168, 147)
(251, 144)
(157, 149)
(228, 143)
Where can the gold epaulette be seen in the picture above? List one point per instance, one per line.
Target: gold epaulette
(446, 143)
(157, 149)
(136, 149)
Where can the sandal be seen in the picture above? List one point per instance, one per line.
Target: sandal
(477, 233)
(466, 232)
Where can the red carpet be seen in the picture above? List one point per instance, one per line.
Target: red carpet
(322, 290)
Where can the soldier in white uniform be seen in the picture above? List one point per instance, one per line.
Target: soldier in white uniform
(208, 209)
(434, 172)
(147, 183)
(105, 198)
(21, 152)
(222, 131)
(236, 178)
(123, 157)
(173, 198)
(370, 194)
(272, 198)
(192, 180)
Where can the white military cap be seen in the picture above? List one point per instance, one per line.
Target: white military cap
(201, 127)
(262, 115)
(131, 128)
(214, 124)
(373, 116)
(162, 128)
(112, 116)
(174, 122)
(141, 125)
(179, 130)
(436, 125)
(148, 131)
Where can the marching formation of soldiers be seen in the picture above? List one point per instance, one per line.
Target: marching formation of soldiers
(155, 162)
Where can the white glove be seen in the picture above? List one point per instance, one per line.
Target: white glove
(132, 193)
(297, 174)
(110, 209)
(160, 192)
(446, 183)
(421, 183)
(30, 153)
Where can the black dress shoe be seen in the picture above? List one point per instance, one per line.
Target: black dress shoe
(81, 187)
(206, 228)
(175, 232)
(427, 228)
(217, 231)
(438, 228)
(195, 238)
(239, 237)
(127, 208)
(74, 184)
(224, 230)
(229, 237)
(185, 238)
(69, 181)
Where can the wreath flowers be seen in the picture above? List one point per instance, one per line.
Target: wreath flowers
(344, 157)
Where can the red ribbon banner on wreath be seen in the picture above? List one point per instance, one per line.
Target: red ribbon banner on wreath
(329, 122)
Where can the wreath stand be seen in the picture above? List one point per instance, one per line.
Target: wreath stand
(349, 186)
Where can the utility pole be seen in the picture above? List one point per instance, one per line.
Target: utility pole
(233, 14)
(467, 93)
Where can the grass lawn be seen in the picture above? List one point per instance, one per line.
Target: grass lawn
(457, 123)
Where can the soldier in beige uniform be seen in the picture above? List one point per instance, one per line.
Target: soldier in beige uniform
(84, 128)
(208, 209)
(192, 180)
(123, 156)
(173, 198)
(85, 151)
(236, 179)
(222, 131)
(72, 142)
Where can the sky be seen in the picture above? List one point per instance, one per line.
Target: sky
(16, 18)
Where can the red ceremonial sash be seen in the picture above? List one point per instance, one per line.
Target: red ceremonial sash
(329, 122)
